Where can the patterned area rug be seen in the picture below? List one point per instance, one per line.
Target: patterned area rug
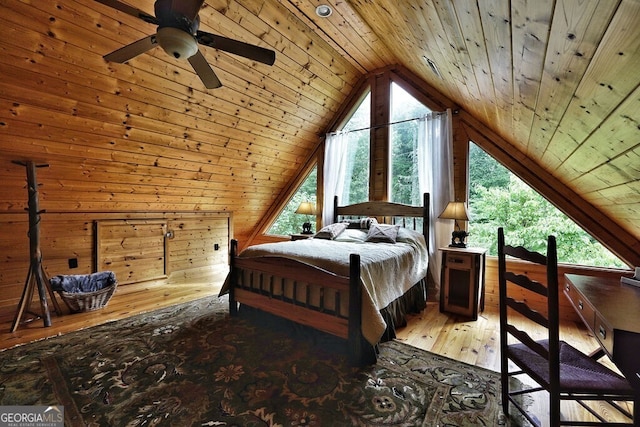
(191, 365)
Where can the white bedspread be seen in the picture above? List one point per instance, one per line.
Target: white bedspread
(387, 270)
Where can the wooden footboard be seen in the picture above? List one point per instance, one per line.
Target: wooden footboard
(302, 293)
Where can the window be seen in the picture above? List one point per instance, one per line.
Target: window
(497, 198)
(356, 188)
(403, 164)
(289, 222)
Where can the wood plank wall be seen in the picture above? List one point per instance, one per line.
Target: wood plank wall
(197, 252)
(538, 273)
(135, 250)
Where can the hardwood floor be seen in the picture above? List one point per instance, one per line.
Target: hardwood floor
(478, 343)
(473, 342)
(127, 301)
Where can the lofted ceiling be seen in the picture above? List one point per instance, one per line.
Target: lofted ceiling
(556, 80)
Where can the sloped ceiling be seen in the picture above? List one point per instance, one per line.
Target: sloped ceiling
(557, 80)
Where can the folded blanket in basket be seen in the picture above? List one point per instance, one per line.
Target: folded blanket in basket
(83, 282)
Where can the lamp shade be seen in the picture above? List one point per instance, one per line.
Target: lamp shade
(458, 212)
(455, 210)
(306, 208)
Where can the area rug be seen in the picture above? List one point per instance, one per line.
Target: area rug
(192, 365)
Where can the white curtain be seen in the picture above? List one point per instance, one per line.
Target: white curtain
(335, 163)
(435, 176)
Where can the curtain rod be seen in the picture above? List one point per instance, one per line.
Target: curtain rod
(387, 124)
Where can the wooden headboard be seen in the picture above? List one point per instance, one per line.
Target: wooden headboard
(412, 217)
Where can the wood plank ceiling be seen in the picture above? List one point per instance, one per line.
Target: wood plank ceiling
(556, 79)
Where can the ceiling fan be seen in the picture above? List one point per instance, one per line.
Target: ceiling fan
(178, 35)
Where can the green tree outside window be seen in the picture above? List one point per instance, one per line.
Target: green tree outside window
(289, 222)
(497, 198)
(404, 187)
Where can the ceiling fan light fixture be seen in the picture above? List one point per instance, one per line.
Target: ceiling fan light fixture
(324, 11)
(176, 42)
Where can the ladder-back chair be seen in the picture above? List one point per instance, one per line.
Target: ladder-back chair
(555, 366)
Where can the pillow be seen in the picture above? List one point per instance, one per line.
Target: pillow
(331, 231)
(352, 235)
(361, 223)
(406, 235)
(383, 233)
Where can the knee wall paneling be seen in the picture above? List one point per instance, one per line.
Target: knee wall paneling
(135, 250)
(168, 247)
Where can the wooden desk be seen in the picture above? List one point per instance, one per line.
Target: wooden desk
(611, 311)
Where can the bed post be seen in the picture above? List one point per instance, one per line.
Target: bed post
(335, 210)
(426, 216)
(356, 351)
(233, 306)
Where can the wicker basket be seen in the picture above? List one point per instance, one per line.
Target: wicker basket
(88, 301)
(80, 301)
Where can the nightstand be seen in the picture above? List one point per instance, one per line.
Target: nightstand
(462, 281)
(300, 236)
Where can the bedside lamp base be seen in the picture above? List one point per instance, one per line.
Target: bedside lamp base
(457, 239)
(306, 228)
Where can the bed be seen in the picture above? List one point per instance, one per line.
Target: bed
(354, 279)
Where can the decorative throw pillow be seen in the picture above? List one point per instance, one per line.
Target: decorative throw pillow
(361, 223)
(331, 231)
(383, 233)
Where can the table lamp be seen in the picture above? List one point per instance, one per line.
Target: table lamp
(306, 208)
(458, 212)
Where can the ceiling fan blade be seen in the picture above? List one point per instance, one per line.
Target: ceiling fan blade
(130, 10)
(257, 53)
(204, 71)
(132, 50)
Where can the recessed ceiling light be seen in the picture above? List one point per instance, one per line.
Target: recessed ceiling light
(324, 11)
